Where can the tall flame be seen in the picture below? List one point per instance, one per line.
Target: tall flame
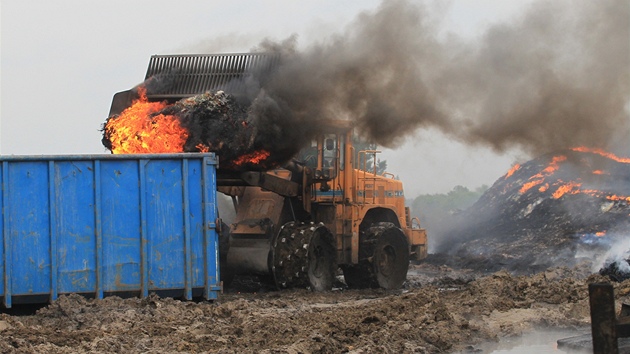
(138, 129)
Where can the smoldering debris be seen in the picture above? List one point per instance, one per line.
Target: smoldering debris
(556, 210)
(614, 263)
(618, 270)
(214, 123)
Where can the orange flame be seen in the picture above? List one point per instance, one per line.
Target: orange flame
(618, 198)
(255, 157)
(554, 165)
(570, 188)
(529, 185)
(136, 131)
(602, 153)
(600, 233)
(539, 177)
(203, 147)
(512, 170)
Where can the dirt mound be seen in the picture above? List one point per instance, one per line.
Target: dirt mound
(548, 212)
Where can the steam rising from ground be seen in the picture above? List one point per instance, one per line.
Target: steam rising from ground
(618, 253)
(558, 77)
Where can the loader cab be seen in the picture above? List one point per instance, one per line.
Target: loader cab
(330, 152)
(329, 158)
(326, 153)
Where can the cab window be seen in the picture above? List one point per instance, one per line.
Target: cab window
(308, 155)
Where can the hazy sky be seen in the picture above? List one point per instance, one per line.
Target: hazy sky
(62, 61)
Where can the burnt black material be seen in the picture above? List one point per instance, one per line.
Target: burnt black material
(526, 231)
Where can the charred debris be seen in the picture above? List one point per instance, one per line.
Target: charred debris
(559, 209)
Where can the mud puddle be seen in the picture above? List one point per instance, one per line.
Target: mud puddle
(541, 341)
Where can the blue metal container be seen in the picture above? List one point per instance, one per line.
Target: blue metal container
(108, 225)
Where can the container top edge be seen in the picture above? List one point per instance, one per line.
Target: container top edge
(108, 157)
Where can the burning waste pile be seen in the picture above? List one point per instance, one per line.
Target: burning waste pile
(559, 209)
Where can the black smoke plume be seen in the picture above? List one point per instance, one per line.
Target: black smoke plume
(556, 77)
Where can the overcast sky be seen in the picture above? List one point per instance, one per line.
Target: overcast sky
(62, 61)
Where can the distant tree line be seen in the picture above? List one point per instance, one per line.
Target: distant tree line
(437, 212)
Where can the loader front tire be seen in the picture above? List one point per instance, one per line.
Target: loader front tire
(391, 258)
(322, 261)
(383, 259)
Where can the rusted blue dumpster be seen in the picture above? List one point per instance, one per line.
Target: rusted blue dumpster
(99, 225)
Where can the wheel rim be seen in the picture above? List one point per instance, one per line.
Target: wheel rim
(321, 264)
(387, 260)
(316, 267)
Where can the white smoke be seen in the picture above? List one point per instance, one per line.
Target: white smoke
(618, 253)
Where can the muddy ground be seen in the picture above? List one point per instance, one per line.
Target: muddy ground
(440, 310)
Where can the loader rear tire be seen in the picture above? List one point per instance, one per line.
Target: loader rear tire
(304, 255)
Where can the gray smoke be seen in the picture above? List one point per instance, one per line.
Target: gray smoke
(557, 77)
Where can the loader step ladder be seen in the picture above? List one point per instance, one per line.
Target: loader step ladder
(369, 190)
